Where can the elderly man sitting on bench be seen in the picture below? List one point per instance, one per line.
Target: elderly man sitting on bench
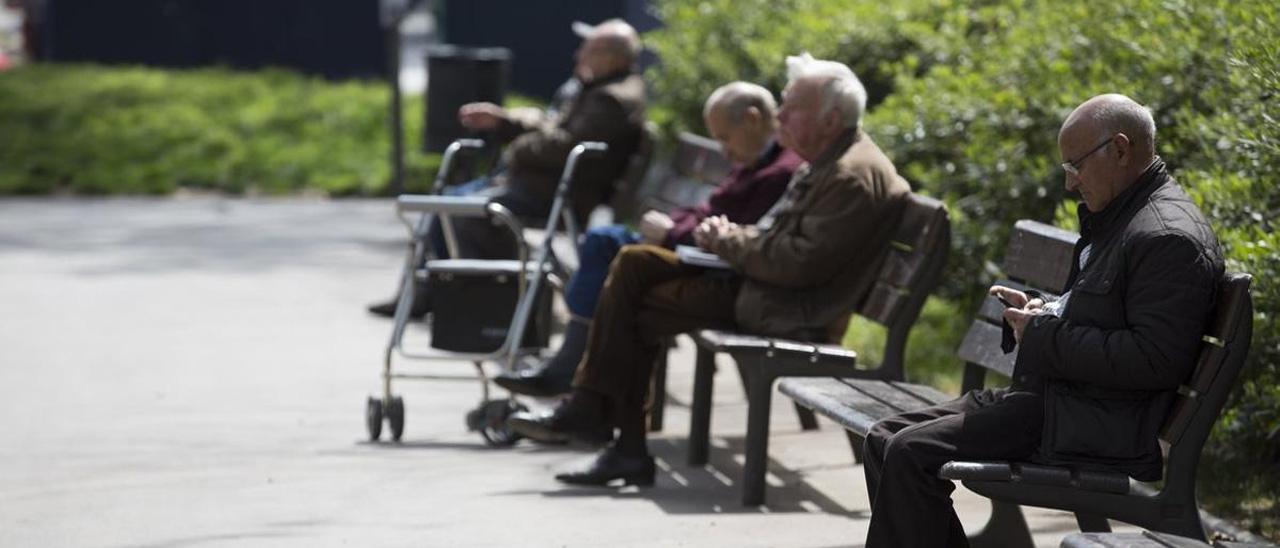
(740, 116)
(798, 273)
(1097, 369)
(609, 106)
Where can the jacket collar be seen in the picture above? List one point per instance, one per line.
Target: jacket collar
(837, 148)
(1124, 204)
(608, 79)
(771, 152)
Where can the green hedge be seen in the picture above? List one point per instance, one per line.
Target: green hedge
(968, 100)
(97, 130)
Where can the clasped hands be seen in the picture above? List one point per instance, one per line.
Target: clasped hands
(711, 229)
(1018, 308)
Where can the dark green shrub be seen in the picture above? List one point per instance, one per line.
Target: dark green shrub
(98, 130)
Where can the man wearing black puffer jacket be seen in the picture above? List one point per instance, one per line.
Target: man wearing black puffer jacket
(1098, 368)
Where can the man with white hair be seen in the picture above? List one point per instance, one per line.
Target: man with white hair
(1098, 368)
(796, 273)
(607, 104)
(740, 115)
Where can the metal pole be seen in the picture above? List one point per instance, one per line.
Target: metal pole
(397, 131)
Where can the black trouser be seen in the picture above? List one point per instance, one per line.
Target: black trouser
(910, 504)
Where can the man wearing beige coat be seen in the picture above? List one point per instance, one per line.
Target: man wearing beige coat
(798, 272)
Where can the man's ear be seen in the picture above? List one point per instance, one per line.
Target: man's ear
(752, 116)
(833, 122)
(1124, 148)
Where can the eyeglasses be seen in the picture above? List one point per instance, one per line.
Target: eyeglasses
(1072, 167)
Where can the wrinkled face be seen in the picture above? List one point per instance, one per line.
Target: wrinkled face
(1097, 175)
(800, 127)
(593, 59)
(741, 142)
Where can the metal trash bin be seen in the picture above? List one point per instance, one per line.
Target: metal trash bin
(457, 76)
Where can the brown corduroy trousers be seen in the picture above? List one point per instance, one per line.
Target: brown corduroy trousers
(648, 295)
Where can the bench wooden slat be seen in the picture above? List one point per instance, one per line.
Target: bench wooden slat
(981, 346)
(887, 393)
(924, 392)
(923, 227)
(1040, 255)
(881, 301)
(700, 157)
(728, 341)
(1213, 355)
(840, 402)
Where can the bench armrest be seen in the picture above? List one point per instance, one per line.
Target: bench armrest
(739, 344)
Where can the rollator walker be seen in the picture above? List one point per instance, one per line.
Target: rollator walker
(530, 274)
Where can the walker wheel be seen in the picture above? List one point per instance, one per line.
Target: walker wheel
(494, 430)
(373, 418)
(395, 417)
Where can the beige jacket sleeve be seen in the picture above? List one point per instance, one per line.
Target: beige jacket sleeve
(811, 241)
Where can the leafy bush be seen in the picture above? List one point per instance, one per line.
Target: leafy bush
(708, 43)
(97, 130)
(974, 96)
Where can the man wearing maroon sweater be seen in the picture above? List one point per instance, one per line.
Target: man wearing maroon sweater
(740, 116)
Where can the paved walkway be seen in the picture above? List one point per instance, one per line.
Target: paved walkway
(192, 372)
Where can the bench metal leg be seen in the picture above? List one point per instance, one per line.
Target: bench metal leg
(855, 445)
(807, 420)
(700, 414)
(659, 405)
(755, 467)
(1006, 528)
(1092, 523)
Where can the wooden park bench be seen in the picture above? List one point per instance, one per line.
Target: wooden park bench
(910, 271)
(1148, 539)
(1039, 257)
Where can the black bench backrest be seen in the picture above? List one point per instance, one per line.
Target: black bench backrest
(915, 259)
(1222, 354)
(1038, 257)
(622, 198)
(696, 167)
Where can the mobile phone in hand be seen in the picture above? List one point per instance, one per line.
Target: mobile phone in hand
(1005, 301)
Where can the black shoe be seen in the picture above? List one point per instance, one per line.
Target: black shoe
(537, 382)
(610, 465)
(388, 309)
(568, 422)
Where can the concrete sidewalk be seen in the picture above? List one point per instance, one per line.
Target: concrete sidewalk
(192, 372)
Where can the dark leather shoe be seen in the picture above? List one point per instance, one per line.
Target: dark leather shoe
(609, 466)
(561, 425)
(534, 382)
(388, 309)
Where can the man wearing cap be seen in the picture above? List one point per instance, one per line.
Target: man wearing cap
(609, 106)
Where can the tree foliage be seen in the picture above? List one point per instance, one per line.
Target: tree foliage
(969, 99)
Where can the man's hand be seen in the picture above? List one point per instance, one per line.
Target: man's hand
(1019, 309)
(654, 226)
(710, 229)
(481, 116)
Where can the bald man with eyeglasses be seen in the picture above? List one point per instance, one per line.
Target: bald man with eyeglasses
(1107, 357)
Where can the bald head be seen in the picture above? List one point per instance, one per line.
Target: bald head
(738, 99)
(1112, 113)
(1106, 144)
(740, 116)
